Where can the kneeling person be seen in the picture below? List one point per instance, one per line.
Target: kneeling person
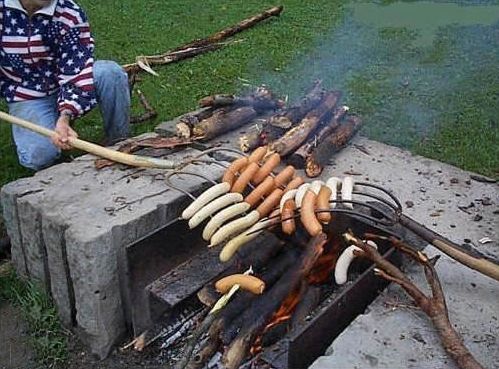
(48, 77)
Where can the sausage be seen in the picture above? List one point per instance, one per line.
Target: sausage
(239, 241)
(234, 227)
(344, 261)
(213, 207)
(288, 223)
(270, 203)
(282, 179)
(294, 184)
(307, 214)
(245, 177)
(323, 204)
(260, 192)
(334, 183)
(346, 191)
(315, 186)
(270, 164)
(246, 282)
(288, 195)
(257, 155)
(302, 190)
(234, 169)
(203, 199)
(222, 216)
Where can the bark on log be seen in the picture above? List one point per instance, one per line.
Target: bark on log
(295, 137)
(185, 123)
(320, 156)
(256, 317)
(276, 125)
(199, 46)
(219, 123)
(261, 100)
(299, 157)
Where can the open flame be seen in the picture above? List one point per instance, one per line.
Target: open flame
(320, 274)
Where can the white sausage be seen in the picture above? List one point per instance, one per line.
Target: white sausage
(208, 195)
(315, 186)
(239, 241)
(287, 196)
(300, 193)
(344, 261)
(222, 216)
(213, 207)
(346, 191)
(234, 227)
(334, 183)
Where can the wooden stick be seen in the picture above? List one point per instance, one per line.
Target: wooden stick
(128, 159)
(199, 46)
(433, 306)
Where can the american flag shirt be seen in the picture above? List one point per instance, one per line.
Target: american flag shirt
(50, 52)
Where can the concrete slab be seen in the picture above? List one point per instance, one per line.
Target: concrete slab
(390, 335)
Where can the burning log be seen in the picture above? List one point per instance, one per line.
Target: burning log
(299, 157)
(335, 141)
(295, 137)
(239, 303)
(256, 317)
(222, 121)
(434, 306)
(276, 125)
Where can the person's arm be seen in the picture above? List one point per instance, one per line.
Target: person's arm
(75, 76)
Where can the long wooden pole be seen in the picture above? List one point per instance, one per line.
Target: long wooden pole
(119, 157)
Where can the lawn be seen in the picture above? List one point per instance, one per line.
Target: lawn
(438, 100)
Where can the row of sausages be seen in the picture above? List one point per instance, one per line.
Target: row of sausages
(273, 198)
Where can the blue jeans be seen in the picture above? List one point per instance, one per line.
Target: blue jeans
(113, 96)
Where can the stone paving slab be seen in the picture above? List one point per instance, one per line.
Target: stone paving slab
(387, 336)
(69, 227)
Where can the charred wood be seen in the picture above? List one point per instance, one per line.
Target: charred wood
(296, 136)
(276, 125)
(263, 308)
(335, 141)
(299, 157)
(222, 122)
(261, 100)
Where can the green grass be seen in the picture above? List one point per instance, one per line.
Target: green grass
(287, 52)
(46, 335)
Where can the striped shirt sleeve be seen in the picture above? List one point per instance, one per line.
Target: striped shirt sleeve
(75, 63)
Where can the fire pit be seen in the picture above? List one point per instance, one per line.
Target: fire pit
(298, 327)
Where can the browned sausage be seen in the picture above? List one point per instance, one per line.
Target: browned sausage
(260, 192)
(245, 177)
(270, 202)
(275, 218)
(287, 217)
(234, 169)
(294, 184)
(323, 204)
(282, 179)
(246, 282)
(270, 164)
(307, 215)
(257, 155)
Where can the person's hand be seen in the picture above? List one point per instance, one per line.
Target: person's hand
(63, 132)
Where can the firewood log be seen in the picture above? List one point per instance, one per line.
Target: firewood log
(298, 158)
(223, 122)
(335, 141)
(296, 136)
(276, 125)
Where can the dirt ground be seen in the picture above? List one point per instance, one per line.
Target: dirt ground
(15, 351)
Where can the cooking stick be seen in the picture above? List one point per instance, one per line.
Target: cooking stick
(120, 157)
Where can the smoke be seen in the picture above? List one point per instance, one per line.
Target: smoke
(404, 67)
